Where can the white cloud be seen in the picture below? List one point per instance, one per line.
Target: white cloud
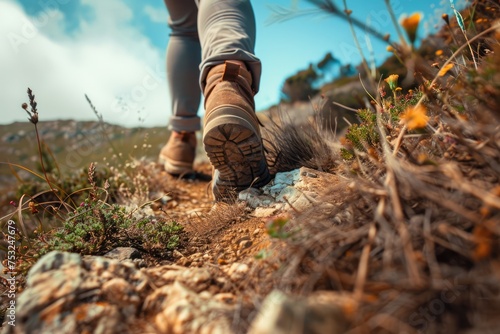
(105, 58)
(158, 15)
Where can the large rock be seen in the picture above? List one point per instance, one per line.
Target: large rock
(68, 294)
(294, 191)
(180, 310)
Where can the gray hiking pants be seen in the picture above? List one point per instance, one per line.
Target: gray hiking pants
(204, 34)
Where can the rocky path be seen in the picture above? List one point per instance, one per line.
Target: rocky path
(215, 283)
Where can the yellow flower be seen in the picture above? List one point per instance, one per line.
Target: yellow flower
(439, 52)
(390, 48)
(445, 70)
(446, 18)
(410, 24)
(392, 81)
(415, 117)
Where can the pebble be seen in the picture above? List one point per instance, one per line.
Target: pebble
(176, 254)
(245, 244)
(262, 212)
(238, 270)
(225, 297)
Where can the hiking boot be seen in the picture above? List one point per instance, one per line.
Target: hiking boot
(231, 136)
(177, 156)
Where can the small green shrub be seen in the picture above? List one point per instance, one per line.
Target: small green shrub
(363, 136)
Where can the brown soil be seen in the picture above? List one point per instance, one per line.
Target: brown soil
(216, 233)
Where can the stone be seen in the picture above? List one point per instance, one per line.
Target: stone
(118, 291)
(66, 293)
(263, 212)
(53, 261)
(281, 314)
(187, 312)
(157, 300)
(245, 244)
(123, 254)
(287, 178)
(226, 298)
(177, 255)
(238, 271)
(197, 279)
(296, 191)
(254, 198)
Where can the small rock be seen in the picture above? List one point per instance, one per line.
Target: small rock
(165, 199)
(262, 212)
(183, 261)
(156, 301)
(225, 297)
(245, 244)
(169, 276)
(281, 314)
(140, 263)
(176, 254)
(197, 279)
(195, 256)
(237, 271)
(123, 254)
(254, 198)
(256, 232)
(248, 194)
(287, 178)
(118, 291)
(187, 312)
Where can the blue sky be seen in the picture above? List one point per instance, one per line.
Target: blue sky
(114, 51)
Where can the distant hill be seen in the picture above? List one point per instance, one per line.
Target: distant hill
(74, 144)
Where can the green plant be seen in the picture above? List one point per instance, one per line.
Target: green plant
(95, 228)
(52, 220)
(276, 228)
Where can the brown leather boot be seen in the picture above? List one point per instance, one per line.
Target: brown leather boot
(177, 156)
(231, 136)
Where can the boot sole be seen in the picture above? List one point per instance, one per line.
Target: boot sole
(234, 148)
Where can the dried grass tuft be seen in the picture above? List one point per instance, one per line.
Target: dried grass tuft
(416, 239)
(290, 145)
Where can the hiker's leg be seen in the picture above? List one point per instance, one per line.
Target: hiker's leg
(230, 75)
(227, 32)
(183, 60)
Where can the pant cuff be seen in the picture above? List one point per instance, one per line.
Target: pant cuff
(190, 124)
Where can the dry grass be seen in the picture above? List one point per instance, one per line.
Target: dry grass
(290, 145)
(219, 218)
(416, 239)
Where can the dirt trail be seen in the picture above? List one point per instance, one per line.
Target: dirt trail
(216, 234)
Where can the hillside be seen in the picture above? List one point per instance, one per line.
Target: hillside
(74, 144)
(392, 226)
